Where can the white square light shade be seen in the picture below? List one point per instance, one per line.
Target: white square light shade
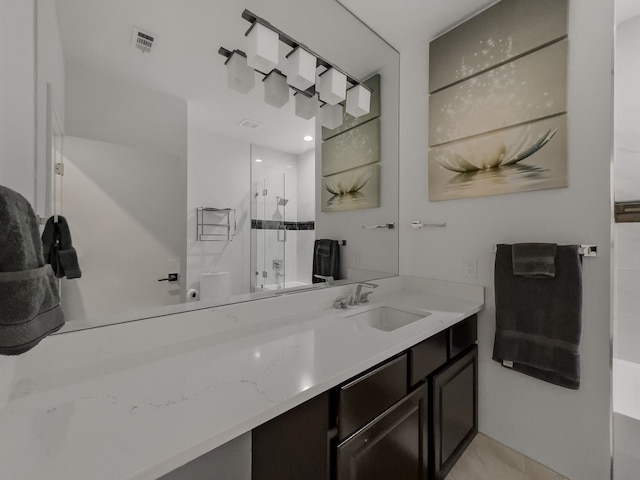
(331, 116)
(306, 107)
(358, 101)
(332, 86)
(240, 77)
(276, 90)
(262, 48)
(301, 69)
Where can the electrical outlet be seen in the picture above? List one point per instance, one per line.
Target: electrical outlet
(471, 268)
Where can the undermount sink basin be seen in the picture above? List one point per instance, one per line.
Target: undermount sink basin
(387, 318)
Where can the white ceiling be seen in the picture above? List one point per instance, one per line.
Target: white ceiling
(626, 9)
(96, 34)
(408, 23)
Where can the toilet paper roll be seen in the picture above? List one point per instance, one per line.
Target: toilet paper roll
(193, 295)
(215, 286)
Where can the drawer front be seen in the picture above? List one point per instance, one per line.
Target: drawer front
(462, 335)
(393, 446)
(427, 356)
(366, 397)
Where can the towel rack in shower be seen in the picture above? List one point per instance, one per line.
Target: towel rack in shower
(215, 224)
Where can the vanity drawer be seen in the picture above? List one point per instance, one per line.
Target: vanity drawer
(367, 396)
(427, 356)
(462, 335)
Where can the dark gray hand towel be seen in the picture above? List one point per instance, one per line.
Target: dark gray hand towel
(29, 301)
(535, 260)
(538, 320)
(326, 259)
(58, 249)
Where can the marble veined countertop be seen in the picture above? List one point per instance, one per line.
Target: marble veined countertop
(91, 414)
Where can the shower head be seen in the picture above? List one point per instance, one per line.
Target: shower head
(282, 201)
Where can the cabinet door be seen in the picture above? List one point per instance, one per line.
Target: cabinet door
(295, 445)
(455, 411)
(392, 446)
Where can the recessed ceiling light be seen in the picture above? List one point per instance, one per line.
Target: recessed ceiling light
(308, 138)
(258, 160)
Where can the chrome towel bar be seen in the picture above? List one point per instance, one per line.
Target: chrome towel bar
(584, 250)
(389, 226)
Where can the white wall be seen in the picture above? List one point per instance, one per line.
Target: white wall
(218, 177)
(306, 186)
(626, 338)
(627, 111)
(375, 250)
(17, 119)
(17, 103)
(50, 73)
(627, 187)
(128, 232)
(109, 110)
(306, 213)
(564, 429)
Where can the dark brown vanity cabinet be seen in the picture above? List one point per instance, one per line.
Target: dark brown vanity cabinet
(409, 418)
(454, 400)
(455, 411)
(382, 432)
(392, 446)
(294, 445)
(363, 398)
(448, 363)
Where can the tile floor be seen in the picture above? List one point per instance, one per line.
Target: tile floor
(486, 459)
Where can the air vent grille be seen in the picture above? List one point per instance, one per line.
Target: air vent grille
(250, 124)
(143, 40)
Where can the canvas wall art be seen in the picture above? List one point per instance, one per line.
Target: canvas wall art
(354, 148)
(498, 102)
(350, 160)
(352, 190)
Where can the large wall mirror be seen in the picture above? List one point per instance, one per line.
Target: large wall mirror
(166, 170)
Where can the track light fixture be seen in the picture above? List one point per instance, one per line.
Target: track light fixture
(331, 88)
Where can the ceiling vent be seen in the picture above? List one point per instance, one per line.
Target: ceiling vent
(143, 40)
(250, 124)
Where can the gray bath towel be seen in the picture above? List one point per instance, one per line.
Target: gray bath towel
(29, 301)
(534, 259)
(538, 320)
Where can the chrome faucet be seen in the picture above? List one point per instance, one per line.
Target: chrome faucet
(362, 297)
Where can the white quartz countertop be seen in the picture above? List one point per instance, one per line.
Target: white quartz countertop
(142, 414)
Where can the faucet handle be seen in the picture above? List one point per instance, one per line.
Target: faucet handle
(340, 303)
(364, 297)
(327, 278)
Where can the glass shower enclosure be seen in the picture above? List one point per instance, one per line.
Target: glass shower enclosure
(269, 233)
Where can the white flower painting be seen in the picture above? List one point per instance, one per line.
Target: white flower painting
(497, 106)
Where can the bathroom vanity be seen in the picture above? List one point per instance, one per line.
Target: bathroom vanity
(317, 392)
(409, 417)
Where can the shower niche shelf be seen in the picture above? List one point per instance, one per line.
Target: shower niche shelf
(215, 224)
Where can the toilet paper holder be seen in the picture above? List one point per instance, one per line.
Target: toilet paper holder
(171, 278)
